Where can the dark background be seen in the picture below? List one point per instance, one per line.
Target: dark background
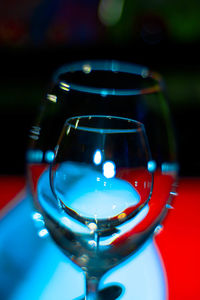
(38, 36)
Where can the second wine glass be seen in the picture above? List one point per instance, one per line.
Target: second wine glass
(100, 188)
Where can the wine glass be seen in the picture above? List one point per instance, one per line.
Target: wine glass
(109, 88)
(101, 182)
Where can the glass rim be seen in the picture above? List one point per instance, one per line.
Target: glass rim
(108, 65)
(139, 126)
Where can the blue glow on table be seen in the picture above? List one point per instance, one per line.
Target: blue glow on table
(39, 271)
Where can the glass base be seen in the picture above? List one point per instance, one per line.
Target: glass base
(109, 293)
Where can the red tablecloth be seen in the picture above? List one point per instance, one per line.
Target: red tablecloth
(178, 243)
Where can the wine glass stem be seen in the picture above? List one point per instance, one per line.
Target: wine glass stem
(92, 284)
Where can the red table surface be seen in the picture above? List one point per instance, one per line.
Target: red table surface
(178, 242)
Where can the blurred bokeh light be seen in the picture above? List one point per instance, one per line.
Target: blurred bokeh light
(65, 22)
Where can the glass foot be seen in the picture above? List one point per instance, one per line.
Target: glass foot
(109, 293)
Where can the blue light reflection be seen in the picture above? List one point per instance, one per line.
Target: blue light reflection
(97, 158)
(151, 166)
(49, 156)
(109, 169)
